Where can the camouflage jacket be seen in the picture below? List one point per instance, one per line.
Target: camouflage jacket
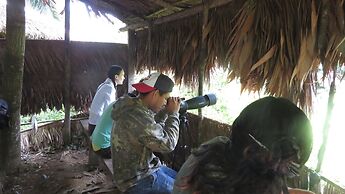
(137, 132)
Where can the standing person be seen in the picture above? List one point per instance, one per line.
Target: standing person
(138, 132)
(269, 141)
(106, 94)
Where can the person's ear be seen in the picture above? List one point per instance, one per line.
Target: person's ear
(155, 92)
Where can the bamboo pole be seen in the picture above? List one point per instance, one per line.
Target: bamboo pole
(326, 125)
(67, 84)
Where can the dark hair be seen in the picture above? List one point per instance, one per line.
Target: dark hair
(272, 120)
(267, 139)
(114, 70)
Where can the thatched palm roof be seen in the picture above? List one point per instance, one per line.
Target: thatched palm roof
(273, 44)
(43, 81)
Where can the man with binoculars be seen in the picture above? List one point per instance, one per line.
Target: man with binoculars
(142, 125)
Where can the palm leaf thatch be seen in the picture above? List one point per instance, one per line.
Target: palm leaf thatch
(49, 136)
(276, 45)
(174, 47)
(44, 72)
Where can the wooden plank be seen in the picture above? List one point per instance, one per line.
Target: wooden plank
(107, 163)
(85, 124)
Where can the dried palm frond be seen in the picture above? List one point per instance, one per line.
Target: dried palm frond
(276, 45)
(47, 136)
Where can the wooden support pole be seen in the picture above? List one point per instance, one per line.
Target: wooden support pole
(131, 60)
(67, 83)
(332, 91)
(203, 55)
(149, 44)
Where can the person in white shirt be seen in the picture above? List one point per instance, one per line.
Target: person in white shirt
(105, 95)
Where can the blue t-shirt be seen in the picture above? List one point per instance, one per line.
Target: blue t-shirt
(101, 134)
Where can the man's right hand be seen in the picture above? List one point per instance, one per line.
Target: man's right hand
(173, 104)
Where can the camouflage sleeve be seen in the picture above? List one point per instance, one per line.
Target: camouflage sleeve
(161, 116)
(157, 137)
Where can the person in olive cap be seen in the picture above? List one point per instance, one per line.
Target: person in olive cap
(142, 125)
(105, 94)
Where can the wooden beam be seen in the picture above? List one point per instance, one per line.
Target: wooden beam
(98, 5)
(166, 5)
(110, 8)
(166, 11)
(124, 9)
(175, 16)
(203, 55)
(67, 79)
(131, 60)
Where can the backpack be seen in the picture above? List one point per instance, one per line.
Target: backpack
(3, 114)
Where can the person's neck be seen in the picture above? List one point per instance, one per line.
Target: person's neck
(114, 82)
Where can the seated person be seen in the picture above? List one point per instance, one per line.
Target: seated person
(269, 141)
(142, 125)
(105, 94)
(101, 135)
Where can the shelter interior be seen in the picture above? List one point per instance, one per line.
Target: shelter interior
(275, 46)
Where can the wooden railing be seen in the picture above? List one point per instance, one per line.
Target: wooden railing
(312, 181)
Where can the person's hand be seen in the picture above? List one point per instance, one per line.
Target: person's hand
(173, 104)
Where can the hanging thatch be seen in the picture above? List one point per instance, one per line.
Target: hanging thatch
(276, 45)
(44, 72)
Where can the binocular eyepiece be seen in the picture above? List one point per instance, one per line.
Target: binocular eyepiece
(198, 102)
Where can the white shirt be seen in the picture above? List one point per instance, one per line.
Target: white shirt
(106, 94)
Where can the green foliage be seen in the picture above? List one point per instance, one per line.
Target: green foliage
(48, 115)
(45, 6)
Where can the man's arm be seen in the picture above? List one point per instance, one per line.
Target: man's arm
(163, 137)
(161, 116)
(160, 138)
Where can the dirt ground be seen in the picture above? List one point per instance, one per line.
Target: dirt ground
(60, 171)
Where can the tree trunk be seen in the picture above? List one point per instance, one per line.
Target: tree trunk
(11, 84)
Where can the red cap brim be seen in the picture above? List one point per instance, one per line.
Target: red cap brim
(143, 88)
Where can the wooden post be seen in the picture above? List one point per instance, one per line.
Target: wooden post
(202, 62)
(149, 44)
(202, 56)
(131, 60)
(67, 83)
(332, 91)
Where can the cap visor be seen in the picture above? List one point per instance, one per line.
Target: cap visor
(143, 88)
